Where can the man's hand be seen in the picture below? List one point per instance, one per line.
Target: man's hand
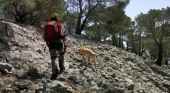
(63, 37)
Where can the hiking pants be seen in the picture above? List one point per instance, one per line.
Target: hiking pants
(54, 56)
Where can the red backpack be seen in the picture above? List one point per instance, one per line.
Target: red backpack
(51, 32)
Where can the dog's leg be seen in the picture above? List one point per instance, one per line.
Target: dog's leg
(83, 59)
(94, 62)
(88, 59)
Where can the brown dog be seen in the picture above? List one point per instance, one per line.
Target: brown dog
(88, 53)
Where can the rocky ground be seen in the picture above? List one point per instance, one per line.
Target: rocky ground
(25, 66)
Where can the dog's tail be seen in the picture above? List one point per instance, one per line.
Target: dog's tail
(98, 54)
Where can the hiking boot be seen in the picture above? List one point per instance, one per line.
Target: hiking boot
(53, 77)
(62, 70)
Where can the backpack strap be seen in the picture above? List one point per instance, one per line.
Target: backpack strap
(56, 30)
(54, 27)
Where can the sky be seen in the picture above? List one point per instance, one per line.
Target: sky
(135, 7)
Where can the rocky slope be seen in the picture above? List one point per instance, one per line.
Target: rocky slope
(25, 66)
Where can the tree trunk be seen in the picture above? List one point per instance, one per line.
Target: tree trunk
(122, 45)
(114, 42)
(127, 45)
(98, 31)
(133, 48)
(142, 50)
(160, 55)
(78, 30)
(80, 26)
(119, 45)
(104, 37)
(140, 46)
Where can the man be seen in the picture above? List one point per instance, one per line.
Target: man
(55, 45)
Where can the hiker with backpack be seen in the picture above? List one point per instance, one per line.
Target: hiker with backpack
(54, 37)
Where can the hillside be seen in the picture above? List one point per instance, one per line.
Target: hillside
(25, 66)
